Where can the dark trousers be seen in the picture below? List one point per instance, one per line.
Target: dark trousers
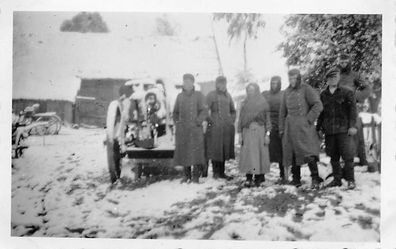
(359, 144)
(313, 168)
(218, 168)
(196, 171)
(340, 146)
(295, 170)
(275, 151)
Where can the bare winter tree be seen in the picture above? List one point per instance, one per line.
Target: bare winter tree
(85, 22)
(165, 27)
(242, 25)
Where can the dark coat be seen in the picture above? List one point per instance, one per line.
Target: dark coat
(188, 114)
(221, 129)
(300, 108)
(339, 111)
(275, 147)
(354, 81)
(274, 101)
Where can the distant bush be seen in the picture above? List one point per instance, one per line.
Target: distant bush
(163, 26)
(85, 22)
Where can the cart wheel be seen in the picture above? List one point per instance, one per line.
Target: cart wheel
(38, 130)
(59, 124)
(112, 144)
(54, 124)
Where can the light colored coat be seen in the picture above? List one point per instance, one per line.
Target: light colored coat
(300, 108)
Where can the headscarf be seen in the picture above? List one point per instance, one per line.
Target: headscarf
(252, 106)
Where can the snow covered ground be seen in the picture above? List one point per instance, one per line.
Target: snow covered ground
(60, 188)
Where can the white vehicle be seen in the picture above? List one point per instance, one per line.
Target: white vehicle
(139, 127)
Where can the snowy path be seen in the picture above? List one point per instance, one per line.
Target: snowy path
(60, 188)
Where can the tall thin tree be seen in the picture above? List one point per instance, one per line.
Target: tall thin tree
(242, 25)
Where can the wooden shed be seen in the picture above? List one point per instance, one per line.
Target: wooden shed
(93, 98)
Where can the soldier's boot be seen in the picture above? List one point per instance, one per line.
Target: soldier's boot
(351, 185)
(282, 180)
(205, 169)
(222, 173)
(196, 173)
(296, 174)
(313, 167)
(334, 183)
(215, 167)
(249, 181)
(338, 173)
(350, 174)
(258, 179)
(187, 174)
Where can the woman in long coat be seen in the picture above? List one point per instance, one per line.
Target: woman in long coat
(189, 113)
(221, 130)
(254, 126)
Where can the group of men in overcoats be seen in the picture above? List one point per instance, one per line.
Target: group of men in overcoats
(299, 117)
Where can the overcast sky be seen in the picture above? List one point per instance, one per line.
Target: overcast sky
(263, 59)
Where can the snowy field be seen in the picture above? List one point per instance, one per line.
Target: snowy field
(60, 188)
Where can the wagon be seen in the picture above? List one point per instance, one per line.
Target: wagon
(48, 123)
(142, 137)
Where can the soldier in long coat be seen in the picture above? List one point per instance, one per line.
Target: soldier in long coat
(300, 108)
(274, 97)
(189, 113)
(221, 130)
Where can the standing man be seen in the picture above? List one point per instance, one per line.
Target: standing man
(352, 80)
(189, 113)
(274, 97)
(221, 129)
(338, 122)
(300, 108)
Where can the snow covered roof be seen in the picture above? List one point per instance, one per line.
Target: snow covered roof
(48, 66)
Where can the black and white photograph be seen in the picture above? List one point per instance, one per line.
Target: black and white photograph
(192, 125)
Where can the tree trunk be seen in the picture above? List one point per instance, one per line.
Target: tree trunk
(244, 53)
(221, 72)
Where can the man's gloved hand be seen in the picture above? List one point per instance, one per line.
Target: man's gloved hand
(352, 131)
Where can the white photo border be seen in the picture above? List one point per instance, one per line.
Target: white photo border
(386, 8)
